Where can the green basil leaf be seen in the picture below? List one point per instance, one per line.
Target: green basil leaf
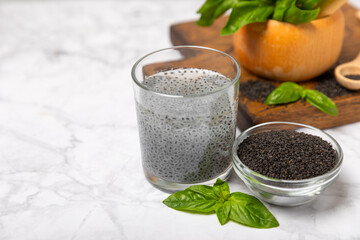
(307, 4)
(297, 15)
(246, 12)
(321, 101)
(224, 6)
(221, 189)
(207, 12)
(287, 92)
(213, 9)
(223, 212)
(188, 200)
(239, 207)
(249, 211)
(280, 8)
(204, 190)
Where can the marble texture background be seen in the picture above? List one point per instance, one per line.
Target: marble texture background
(70, 165)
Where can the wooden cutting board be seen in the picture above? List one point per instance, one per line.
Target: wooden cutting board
(255, 112)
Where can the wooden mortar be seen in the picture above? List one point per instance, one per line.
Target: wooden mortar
(290, 52)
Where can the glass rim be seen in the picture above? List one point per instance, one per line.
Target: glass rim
(335, 169)
(233, 81)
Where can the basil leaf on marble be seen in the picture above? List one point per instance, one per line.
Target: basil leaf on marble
(204, 190)
(287, 92)
(223, 212)
(188, 200)
(221, 189)
(320, 101)
(249, 211)
(239, 207)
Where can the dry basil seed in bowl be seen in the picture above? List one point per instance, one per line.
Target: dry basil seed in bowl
(285, 163)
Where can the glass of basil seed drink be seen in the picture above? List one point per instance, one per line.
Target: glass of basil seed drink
(186, 102)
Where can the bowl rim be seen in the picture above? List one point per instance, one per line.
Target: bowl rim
(326, 175)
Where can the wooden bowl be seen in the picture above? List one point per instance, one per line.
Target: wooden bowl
(290, 52)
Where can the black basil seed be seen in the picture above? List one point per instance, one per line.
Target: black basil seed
(353, 76)
(256, 90)
(287, 154)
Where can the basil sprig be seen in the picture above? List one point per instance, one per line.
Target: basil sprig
(239, 207)
(289, 92)
(250, 11)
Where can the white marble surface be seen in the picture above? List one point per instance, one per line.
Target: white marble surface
(70, 165)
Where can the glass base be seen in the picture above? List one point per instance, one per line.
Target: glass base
(171, 187)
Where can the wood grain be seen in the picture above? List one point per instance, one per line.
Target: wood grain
(252, 112)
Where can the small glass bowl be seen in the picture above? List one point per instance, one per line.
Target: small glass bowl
(286, 192)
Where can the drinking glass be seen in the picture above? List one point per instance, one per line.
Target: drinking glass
(186, 103)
